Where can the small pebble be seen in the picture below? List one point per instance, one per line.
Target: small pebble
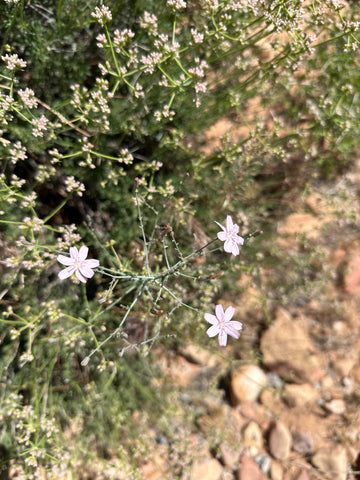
(264, 462)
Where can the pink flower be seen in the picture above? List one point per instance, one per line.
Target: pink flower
(230, 236)
(77, 264)
(222, 324)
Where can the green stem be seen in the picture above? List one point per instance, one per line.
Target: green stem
(54, 212)
(112, 50)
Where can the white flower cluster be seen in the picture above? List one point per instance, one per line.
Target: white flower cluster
(102, 14)
(197, 37)
(34, 223)
(95, 102)
(39, 126)
(176, 4)
(151, 61)
(69, 237)
(149, 22)
(73, 185)
(121, 38)
(13, 61)
(126, 157)
(17, 152)
(6, 102)
(28, 97)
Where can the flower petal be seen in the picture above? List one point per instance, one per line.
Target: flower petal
(213, 330)
(85, 271)
(74, 254)
(229, 223)
(239, 240)
(91, 263)
(64, 260)
(219, 310)
(230, 330)
(228, 245)
(235, 228)
(221, 226)
(222, 236)
(80, 276)
(211, 318)
(83, 253)
(67, 272)
(235, 324)
(222, 338)
(229, 312)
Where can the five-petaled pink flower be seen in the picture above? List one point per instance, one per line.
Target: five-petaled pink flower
(77, 264)
(222, 324)
(230, 236)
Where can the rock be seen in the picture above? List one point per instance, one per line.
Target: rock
(352, 278)
(225, 423)
(206, 469)
(272, 400)
(276, 471)
(195, 354)
(327, 383)
(336, 406)
(303, 442)
(246, 384)
(156, 468)
(318, 203)
(343, 366)
(229, 455)
(288, 351)
(181, 372)
(248, 470)
(348, 385)
(252, 437)
(300, 395)
(331, 461)
(264, 463)
(303, 475)
(306, 223)
(280, 441)
(274, 381)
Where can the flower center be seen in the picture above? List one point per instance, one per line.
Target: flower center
(231, 234)
(222, 324)
(77, 264)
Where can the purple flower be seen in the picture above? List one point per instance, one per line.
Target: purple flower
(77, 264)
(222, 324)
(230, 236)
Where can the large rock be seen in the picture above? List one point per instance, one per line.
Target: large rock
(225, 423)
(246, 384)
(276, 471)
(332, 461)
(249, 470)
(252, 437)
(206, 469)
(288, 351)
(303, 443)
(280, 441)
(303, 475)
(300, 395)
(155, 469)
(230, 455)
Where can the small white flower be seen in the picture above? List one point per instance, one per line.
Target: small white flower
(222, 324)
(77, 264)
(230, 236)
